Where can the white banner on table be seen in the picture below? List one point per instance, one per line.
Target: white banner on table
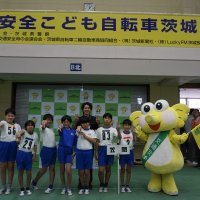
(115, 149)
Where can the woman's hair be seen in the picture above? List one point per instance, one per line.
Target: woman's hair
(86, 103)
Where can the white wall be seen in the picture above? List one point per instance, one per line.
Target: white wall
(100, 60)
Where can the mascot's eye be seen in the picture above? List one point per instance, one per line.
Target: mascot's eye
(146, 108)
(161, 105)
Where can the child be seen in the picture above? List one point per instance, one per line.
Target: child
(126, 161)
(84, 154)
(8, 149)
(48, 153)
(105, 137)
(28, 142)
(65, 150)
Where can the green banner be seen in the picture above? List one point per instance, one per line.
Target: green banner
(47, 95)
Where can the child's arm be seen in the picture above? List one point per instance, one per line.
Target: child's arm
(96, 150)
(1, 124)
(60, 129)
(20, 134)
(92, 140)
(35, 147)
(118, 131)
(34, 152)
(76, 120)
(43, 125)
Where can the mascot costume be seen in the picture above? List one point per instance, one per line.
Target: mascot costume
(156, 124)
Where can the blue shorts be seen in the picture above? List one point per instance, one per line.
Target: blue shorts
(64, 154)
(8, 151)
(84, 159)
(127, 159)
(24, 160)
(48, 156)
(103, 158)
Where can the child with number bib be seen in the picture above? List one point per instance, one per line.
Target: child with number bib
(28, 142)
(126, 161)
(105, 136)
(8, 149)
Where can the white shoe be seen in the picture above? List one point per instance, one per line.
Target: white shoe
(128, 189)
(100, 189)
(22, 193)
(63, 191)
(87, 191)
(69, 192)
(48, 190)
(194, 163)
(123, 189)
(105, 189)
(81, 191)
(2, 190)
(8, 191)
(34, 187)
(28, 192)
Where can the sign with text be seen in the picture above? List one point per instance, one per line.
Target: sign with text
(118, 150)
(75, 67)
(92, 28)
(196, 134)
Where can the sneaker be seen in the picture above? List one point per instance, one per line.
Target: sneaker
(2, 190)
(101, 189)
(105, 189)
(8, 191)
(22, 193)
(69, 192)
(34, 186)
(81, 191)
(194, 163)
(87, 191)
(123, 189)
(28, 192)
(48, 190)
(128, 189)
(63, 191)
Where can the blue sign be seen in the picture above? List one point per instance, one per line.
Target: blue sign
(75, 67)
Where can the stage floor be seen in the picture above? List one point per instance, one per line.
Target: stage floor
(187, 180)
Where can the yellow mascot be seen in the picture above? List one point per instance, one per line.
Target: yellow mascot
(156, 124)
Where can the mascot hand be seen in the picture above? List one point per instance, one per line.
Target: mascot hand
(140, 133)
(184, 137)
(179, 139)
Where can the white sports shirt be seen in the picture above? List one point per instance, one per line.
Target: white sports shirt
(8, 131)
(48, 137)
(126, 139)
(106, 135)
(28, 141)
(82, 143)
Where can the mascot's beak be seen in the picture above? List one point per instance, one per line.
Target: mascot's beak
(153, 122)
(152, 119)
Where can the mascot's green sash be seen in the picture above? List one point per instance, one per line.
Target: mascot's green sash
(154, 145)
